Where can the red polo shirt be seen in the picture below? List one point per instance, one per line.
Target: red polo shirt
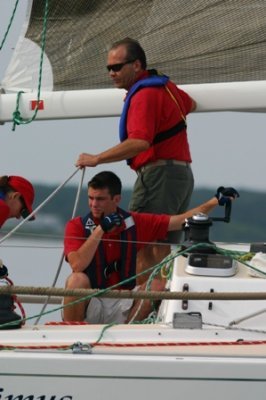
(153, 110)
(149, 228)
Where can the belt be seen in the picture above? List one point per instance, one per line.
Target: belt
(159, 163)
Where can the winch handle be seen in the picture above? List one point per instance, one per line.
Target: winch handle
(227, 212)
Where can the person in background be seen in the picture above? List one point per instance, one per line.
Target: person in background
(101, 249)
(153, 135)
(16, 198)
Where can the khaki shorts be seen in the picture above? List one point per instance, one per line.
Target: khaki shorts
(164, 189)
(105, 311)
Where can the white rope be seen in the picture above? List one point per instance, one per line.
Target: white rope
(39, 207)
(245, 318)
(62, 255)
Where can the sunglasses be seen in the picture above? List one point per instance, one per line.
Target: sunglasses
(118, 67)
(24, 211)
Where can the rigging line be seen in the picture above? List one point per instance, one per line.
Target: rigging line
(17, 119)
(33, 236)
(174, 245)
(232, 253)
(17, 246)
(39, 207)
(234, 328)
(246, 317)
(9, 25)
(62, 255)
(176, 249)
(82, 238)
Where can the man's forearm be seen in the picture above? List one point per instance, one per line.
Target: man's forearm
(81, 258)
(176, 221)
(123, 151)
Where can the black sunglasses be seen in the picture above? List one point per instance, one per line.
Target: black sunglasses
(24, 211)
(118, 67)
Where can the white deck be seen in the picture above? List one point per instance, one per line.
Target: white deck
(139, 360)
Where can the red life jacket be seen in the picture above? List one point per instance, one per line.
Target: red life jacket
(152, 80)
(98, 270)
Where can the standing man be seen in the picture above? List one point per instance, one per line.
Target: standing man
(153, 139)
(101, 249)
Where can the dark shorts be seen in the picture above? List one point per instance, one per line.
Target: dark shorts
(164, 189)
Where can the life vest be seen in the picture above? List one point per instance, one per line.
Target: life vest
(150, 81)
(98, 269)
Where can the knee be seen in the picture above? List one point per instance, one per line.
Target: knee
(158, 285)
(78, 280)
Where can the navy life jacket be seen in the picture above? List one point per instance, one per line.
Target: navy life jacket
(98, 270)
(150, 81)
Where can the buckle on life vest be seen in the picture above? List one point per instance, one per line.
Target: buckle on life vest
(113, 267)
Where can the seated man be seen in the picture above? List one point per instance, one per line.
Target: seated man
(101, 249)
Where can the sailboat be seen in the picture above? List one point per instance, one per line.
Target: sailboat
(208, 337)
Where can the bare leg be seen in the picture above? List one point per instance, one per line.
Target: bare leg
(77, 280)
(146, 305)
(149, 256)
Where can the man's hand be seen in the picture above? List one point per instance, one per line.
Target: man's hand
(87, 160)
(110, 221)
(225, 195)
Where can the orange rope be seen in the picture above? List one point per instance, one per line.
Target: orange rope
(146, 344)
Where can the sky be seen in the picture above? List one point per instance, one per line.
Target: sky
(227, 148)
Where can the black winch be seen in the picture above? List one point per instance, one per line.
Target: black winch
(203, 258)
(7, 313)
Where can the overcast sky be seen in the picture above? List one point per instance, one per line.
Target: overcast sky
(227, 148)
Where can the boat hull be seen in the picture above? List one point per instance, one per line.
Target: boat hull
(130, 361)
(68, 376)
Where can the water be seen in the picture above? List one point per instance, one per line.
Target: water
(32, 262)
